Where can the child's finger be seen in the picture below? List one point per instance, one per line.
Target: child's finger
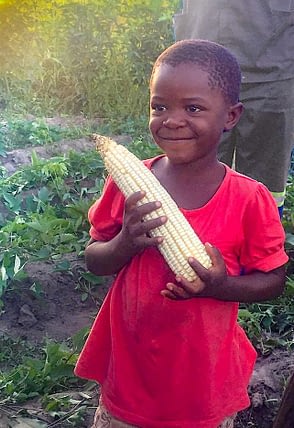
(216, 262)
(132, 200)
(141, 211)
(191, 288)
(148, 225)
(168, 294)
(213, 253)
(200, 270)
(148, 208)
(174, 292)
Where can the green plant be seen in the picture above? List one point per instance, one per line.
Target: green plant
(39, 376)
(144, 148)
(45, 374)
(19, 133)
(288, 223)
(87, 284)
(13, 351)
(46, 211)
(134, 126)
(11, 269)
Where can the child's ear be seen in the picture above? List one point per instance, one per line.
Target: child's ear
(234, 114)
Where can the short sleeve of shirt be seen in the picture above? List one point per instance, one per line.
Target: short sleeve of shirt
(106, 214)
(263, 248)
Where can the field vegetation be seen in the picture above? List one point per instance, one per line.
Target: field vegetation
(87, 63)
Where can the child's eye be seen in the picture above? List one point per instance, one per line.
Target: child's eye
(158, 107)
(193, 108)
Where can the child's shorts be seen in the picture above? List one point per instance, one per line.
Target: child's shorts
(103, 419)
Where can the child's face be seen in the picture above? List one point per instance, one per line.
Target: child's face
(187, 116)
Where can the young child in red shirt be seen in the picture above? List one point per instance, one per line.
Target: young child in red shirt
(169, 353)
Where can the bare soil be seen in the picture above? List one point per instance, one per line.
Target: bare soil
(59, 312)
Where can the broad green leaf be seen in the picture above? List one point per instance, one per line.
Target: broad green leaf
(36, 226)
(94, 279)
(13, 202)
(62, 266)
(43, 194)
(79, 338)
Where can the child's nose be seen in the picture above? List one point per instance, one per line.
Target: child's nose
(174, 121)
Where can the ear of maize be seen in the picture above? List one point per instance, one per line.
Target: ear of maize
(131, 175)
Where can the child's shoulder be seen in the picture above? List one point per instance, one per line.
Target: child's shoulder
(149, 162)
(243, 182)
(245, 188)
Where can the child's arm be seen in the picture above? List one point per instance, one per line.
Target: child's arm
(214, 282)
(107, 258)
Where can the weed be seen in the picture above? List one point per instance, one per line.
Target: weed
(13, 351)
(46, 375)
(40, 376)
(87, 284)
(21, 133)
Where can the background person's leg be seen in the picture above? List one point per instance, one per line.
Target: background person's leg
(265, 134)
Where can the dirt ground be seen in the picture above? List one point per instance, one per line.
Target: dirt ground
(59, 313)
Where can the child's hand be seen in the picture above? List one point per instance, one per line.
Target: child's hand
(135, 230)
(207, 282)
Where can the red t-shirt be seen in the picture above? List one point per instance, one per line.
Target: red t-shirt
(180, 364)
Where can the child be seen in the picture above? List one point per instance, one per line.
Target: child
(169, 353)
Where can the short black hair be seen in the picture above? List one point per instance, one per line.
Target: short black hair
(221, 65)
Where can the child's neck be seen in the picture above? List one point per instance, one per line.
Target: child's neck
(190, 185)
(202, 170)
